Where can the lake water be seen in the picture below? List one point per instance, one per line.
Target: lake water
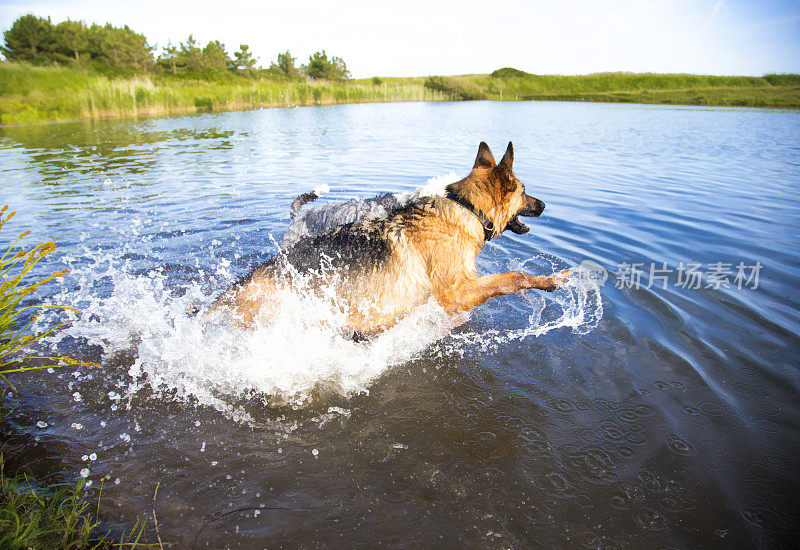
(631, 409)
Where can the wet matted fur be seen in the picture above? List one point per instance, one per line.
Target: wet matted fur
(388, 264)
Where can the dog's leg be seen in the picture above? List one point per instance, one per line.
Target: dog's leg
(246, 302)
(474, 292)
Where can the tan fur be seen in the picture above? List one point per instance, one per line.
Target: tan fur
(433, 247)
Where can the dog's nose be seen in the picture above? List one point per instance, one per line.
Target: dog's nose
(533, 207)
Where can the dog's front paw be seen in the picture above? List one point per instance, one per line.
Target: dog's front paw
(556, 281)
(562, 277)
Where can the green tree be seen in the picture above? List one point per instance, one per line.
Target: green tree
(169, 58)
(119, 48)
(191, 55)
(243, 59)
(30, 38)
(72, 40)
(320, 67)
(286, 66)
(214, 57)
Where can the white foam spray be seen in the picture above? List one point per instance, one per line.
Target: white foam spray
(306, 349)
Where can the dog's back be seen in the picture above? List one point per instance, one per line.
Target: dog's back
(352, 247)
(381, 267)
(307, 222)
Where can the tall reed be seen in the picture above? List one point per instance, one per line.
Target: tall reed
(32, 94)
(16, 319)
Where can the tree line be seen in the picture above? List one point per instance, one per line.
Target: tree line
(121, 50)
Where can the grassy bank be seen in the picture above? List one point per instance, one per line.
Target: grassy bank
(51, 517)
(44, 94)
(684, 89)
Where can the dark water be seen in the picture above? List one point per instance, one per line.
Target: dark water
(667, 415)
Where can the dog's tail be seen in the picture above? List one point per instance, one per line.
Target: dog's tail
(306, 198)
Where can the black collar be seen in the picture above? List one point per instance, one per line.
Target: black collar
(488, 226)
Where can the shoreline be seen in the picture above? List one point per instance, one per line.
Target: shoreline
(35, 95)
(204, 110)
(147, 114)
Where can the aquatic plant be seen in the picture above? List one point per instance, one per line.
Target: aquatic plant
(16, 319)
(57, 516)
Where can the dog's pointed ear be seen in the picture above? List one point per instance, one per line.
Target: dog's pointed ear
(484, 158)
(508, 159)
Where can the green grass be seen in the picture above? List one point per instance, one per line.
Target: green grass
(16, 319)
(685, 89)
(30, 516)
(54, 517)
(44, 94)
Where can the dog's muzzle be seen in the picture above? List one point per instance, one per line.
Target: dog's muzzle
(533, 208)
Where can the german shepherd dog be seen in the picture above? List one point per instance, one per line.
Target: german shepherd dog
(386, 266)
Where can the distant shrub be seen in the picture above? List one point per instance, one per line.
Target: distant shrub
(319, 67)
(786, 79)
(285, 66)
(463, 90)
(508, 72)
(204, 103)
(377, 81)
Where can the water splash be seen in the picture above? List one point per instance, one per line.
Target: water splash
(577, 305)
(302, 353)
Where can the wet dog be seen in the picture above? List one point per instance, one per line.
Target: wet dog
(310, 222)
(397, 255)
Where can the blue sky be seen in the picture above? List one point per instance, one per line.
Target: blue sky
(416, 37)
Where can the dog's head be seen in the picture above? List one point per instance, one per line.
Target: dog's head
(496, 191)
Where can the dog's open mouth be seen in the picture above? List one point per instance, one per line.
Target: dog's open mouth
(534, 209)
(517, 226)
